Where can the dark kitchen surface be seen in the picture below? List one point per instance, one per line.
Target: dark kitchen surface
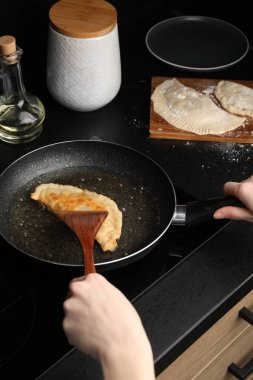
(200, 285)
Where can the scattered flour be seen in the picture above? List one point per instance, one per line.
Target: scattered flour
(208, 90)
(226, 156)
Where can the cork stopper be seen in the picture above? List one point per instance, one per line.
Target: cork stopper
(8, 49)
(83, 18)
(7, 45)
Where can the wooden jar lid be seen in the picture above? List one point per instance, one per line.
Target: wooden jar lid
(83, 18)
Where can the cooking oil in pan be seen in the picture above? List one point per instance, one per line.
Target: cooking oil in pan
(39, 233)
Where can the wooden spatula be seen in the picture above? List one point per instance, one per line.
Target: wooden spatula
(85, 224)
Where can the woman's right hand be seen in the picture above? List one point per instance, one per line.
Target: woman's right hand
(244, 192)
(101, 322)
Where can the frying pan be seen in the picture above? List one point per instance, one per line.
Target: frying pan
(140, 187)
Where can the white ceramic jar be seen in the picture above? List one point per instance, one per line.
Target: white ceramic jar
(83, 58)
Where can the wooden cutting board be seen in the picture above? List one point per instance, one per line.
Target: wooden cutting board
(160, 129)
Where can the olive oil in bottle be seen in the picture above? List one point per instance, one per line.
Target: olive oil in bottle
(21, 113)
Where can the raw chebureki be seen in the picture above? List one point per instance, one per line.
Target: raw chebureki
(187, 109)
(235, 97)
(58, 197)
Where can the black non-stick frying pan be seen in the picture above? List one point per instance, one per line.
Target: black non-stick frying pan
(140, 187)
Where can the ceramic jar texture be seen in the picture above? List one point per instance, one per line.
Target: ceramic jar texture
(83, 74)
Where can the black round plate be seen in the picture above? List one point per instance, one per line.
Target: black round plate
(197, 43)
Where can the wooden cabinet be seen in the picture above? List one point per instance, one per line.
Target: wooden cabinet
(228, 340)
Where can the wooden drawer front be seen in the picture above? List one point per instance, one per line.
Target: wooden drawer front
(208, 350)
(239, 351)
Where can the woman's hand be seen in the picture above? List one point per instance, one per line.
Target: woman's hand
(244, 192)
(101, 322)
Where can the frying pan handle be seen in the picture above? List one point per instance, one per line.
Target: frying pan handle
(201, 211)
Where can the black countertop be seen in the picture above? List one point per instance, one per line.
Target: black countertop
(183, 304)
(191, 297)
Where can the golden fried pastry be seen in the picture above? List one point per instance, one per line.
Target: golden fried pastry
(70, 198)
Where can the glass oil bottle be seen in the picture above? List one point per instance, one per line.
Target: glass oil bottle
(21, 113)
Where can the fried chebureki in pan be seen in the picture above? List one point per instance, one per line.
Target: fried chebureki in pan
(58, 197)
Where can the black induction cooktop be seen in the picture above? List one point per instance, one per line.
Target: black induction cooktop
(32, 293)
